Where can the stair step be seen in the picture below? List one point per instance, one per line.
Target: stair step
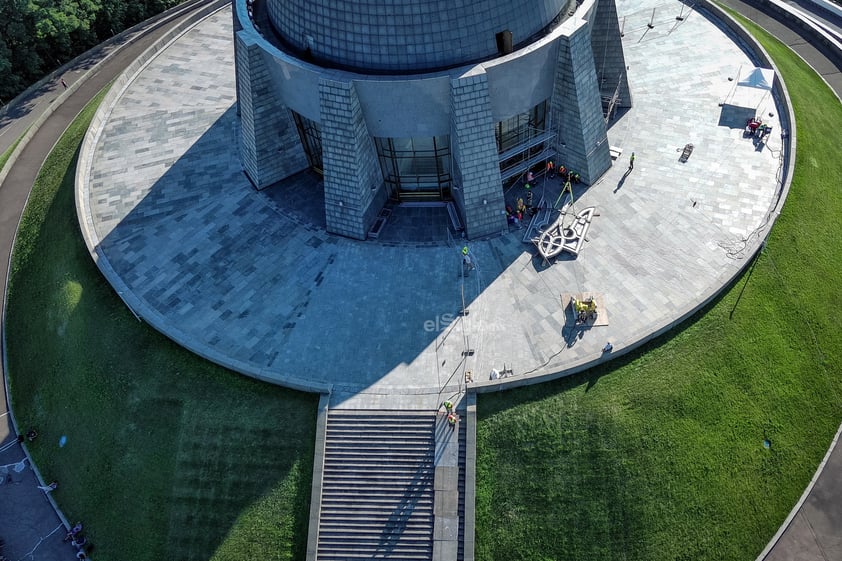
(373, 549)
(417, 539)
(385, 452)
(419, 535)
(362, 491)
(393, 556)
(381, 413)
(372, 469)
(375, 477)
(387, 432)
(367, 461)
(337, 500)
(377, 440)
(396, 489)
(376, 509)
(372, 515)
(381, 424)
(417, 520)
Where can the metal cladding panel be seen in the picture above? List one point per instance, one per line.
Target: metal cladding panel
(517, 84)
(406, 35)
(406, 108)
(297, 85)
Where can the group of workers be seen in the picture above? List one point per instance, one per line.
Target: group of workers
(452, 417)
(756, 128)
(564, 173)
(584, 309)
(524, 205)
(522, 208)
(78, 541)
(551, 171)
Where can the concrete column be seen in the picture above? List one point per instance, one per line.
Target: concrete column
(270, 148)
(478, 191)
(354, 190)
(576, 107)
(237, 27)
(607, 46)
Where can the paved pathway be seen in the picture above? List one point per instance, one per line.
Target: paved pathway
(218, 267)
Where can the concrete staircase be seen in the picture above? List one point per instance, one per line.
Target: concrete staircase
(377, 490)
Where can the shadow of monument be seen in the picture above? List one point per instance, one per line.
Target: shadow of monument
(236, 278)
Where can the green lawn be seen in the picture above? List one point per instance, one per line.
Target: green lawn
(4, 157)
(661, 456)
(167, 455)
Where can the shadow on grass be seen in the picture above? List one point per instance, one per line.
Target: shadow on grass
(167, 456)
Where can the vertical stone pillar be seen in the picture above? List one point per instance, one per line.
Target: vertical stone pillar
(607, 46)
(479, 190)
(576, 107)
(353, 193)
(270, 148)
(238, 26)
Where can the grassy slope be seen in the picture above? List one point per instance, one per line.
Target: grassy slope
(660, 457)
(4, 157)
(167, 455)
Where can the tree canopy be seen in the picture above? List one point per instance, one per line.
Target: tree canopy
(38, 36)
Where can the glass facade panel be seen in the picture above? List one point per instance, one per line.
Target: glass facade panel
(311, 140)
(522, 143)
(518, 129)
(415, 168)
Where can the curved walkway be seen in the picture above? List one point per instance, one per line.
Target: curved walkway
(230, 274)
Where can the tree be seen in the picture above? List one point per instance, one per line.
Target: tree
(19, 59)
(37, 36)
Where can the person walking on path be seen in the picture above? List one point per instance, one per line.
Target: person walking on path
(631, 161)
(63, 83)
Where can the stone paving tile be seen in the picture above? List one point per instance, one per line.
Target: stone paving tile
(231, 274)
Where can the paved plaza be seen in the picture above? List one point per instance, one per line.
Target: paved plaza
(239, 278)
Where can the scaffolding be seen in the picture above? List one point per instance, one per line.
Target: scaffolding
(610, 103)
(519, 159)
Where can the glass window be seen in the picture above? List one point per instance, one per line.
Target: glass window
(518, 129)
(415, 168)
(311, 139)
(523, 143)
